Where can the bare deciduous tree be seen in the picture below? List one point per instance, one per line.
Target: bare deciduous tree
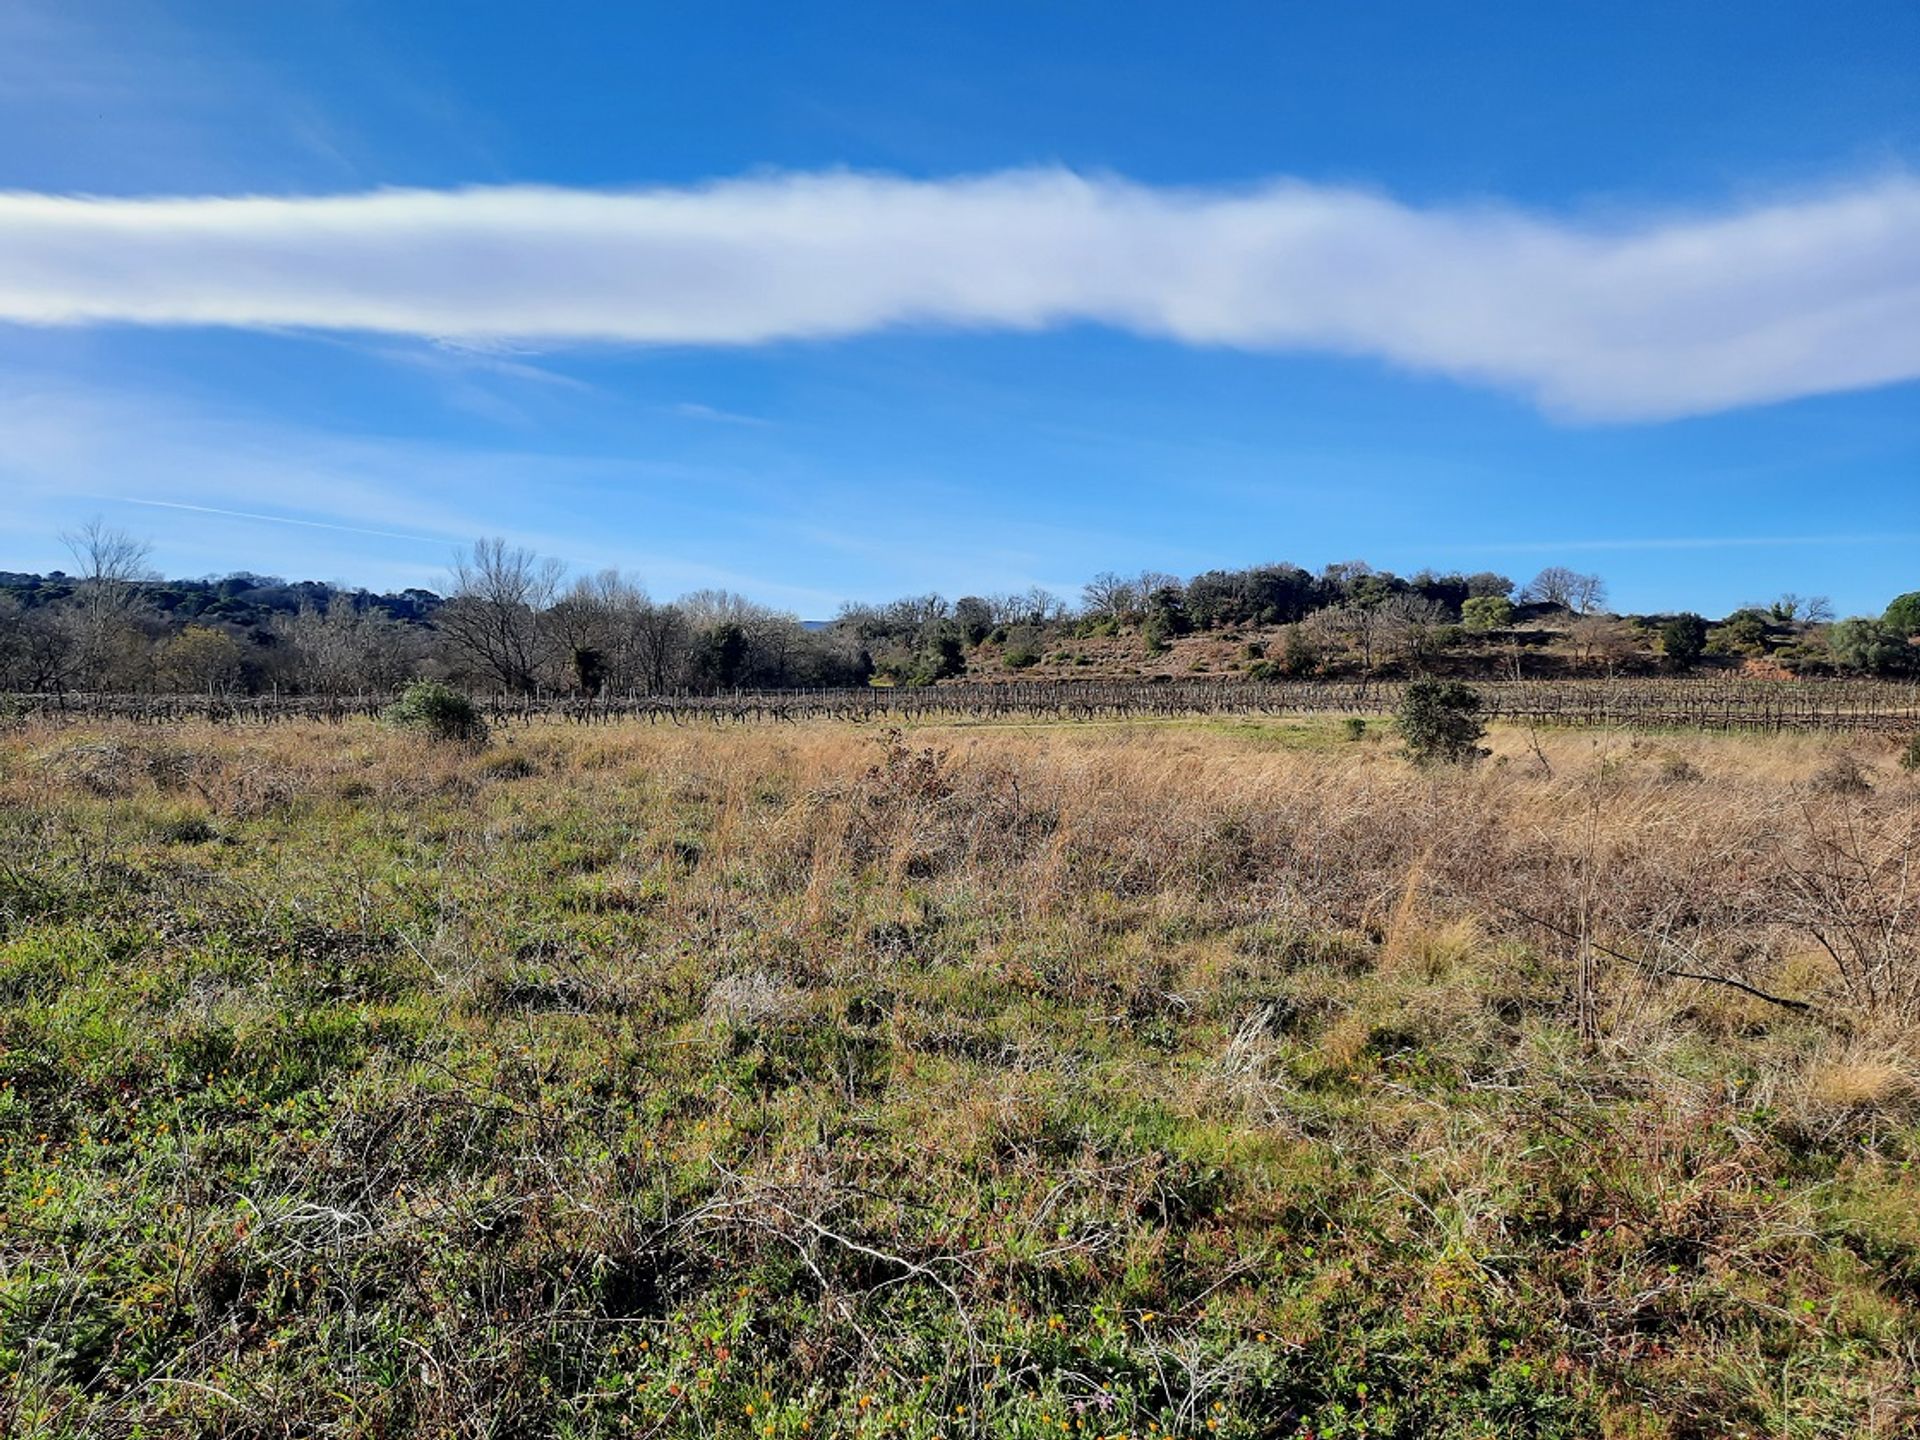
(111, 570)
(1571, 589)
(202, 660)
(1793, 609)
(1409, 626)
(346, 650)
(1350, 627)
(14, 664)
(44, 652)
(1033, 606)
(660, 636)
(495, 615)
(1589, 593)
(1602, 641)
(1107, 595)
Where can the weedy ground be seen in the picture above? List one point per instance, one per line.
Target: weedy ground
(1188, 1080)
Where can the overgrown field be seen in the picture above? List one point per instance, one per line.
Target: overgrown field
(1214, 1079)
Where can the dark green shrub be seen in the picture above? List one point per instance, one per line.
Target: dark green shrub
(589, 669)
(720, 655)
(943, 659)
(1020, 657)
(1871, 647)
(1440, 721)
(1910, 757)
(1745, 633)
(1167, 610)
(1683, 639)
(1354, 727)
(438, 711)
(974, 616)
(1487, 612)
(1022, 648)
(1299, 656)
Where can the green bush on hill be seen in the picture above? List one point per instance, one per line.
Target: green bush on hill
(1683, 640)
(1486, 612)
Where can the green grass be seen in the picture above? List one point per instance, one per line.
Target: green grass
(1309, 732)
(596, 1093)
(1314, 732)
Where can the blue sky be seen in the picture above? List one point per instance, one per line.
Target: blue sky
(850, 301)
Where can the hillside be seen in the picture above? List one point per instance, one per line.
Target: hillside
(510, 623)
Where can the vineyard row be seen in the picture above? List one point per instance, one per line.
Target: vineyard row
(1839, 705)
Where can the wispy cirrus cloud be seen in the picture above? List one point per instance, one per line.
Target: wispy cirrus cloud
(215, 487)
(1653, 319)
(713, 414)
(1701, 542)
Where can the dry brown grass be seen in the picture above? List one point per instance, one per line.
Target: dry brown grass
(1703, 853)
(858, 1046)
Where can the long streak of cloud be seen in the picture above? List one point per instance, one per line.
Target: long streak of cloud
(1660, 318)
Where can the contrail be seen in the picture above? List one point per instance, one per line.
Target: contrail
(282, 520)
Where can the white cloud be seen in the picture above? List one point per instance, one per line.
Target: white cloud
(1664, 317)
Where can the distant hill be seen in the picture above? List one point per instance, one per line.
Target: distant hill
(241, 599)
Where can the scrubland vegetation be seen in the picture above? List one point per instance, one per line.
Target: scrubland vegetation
(513, 623)
(1231, 1078)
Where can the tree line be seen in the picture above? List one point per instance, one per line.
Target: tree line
(511, 621)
